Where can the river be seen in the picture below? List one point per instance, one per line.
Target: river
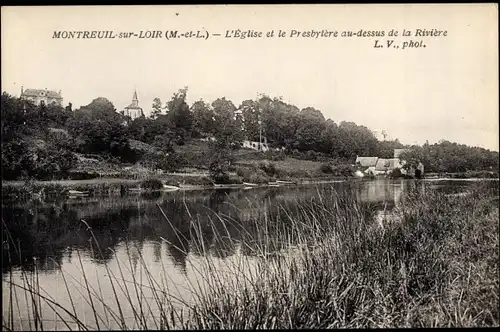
(146, 240)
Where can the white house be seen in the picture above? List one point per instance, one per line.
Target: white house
(256, 145)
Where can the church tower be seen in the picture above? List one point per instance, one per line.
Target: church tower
(134, 110)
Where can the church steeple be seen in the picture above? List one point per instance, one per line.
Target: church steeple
(133, 110)
(135, 100)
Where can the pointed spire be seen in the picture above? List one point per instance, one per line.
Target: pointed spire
(135, 100)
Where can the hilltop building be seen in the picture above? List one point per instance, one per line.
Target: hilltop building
(42, 96)
(133, 110)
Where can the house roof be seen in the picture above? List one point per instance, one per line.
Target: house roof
(387, 164)
(367, 161)
(382, 164)
(41, 93)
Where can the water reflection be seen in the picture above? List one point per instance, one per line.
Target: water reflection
(186, 221)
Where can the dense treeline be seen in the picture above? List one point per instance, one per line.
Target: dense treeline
(448, 157)
(43, 141)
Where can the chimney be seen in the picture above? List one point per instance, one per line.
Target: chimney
(22, 90)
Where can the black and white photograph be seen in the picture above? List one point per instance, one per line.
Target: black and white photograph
(292, 166)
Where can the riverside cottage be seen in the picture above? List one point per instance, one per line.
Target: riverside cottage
(378, 166)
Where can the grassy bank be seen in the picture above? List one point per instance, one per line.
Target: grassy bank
(94, 187)
(432, 263)
(435, 264)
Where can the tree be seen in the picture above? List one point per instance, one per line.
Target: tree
(356, 140)
(311, 125)
(69, 108)
(203, 118)
(180, 115)
(136, 129)
(251, 114)
(14, 119)
(386, 148)
(280, 121)
(411, 158)
(221, 159)
(161, 126)
(228, 136)
(17, 159)
(329, 137)
(100, 129)
(226, 127)
(157, 105)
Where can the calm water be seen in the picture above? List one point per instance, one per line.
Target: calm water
(145, 238)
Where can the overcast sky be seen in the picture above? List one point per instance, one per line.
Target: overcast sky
(448, 90)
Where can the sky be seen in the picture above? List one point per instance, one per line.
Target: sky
(447, 90)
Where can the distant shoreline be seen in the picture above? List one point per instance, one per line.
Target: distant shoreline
(298, 181)
(117, 186)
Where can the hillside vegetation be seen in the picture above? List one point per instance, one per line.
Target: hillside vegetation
(47, 142)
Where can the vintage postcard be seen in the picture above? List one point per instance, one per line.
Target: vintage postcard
(250, 166)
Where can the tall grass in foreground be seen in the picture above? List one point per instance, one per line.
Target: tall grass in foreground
(323, 263)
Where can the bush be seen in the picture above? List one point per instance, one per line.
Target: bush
(396, 174)
(241, 171)
(175, 180)
(82, 175)
(221, 178)
(312, 155)
(152, 184)
(274, 155)
(337, 170)
(326, 168)
(252, 175)
(268, 168)
(258, 177)
(166, 162)
(474, 174)
(298, 173)
(193, 159)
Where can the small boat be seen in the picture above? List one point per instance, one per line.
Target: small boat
(170, 188)
(284, 182)
(76, 193)
(247, 184)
